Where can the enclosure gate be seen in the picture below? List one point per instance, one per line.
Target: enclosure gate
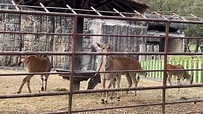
(73, 53)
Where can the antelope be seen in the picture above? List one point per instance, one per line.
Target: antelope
(35, 64)
(129, 63)
(108, 63)
(179, 74)
(117, 63)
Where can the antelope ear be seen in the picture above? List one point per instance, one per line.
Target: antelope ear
(99, 45)
(111, 45)
(23, 58)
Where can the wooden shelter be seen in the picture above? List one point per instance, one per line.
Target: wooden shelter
(102, 5)
(105, 5)
(175, 30)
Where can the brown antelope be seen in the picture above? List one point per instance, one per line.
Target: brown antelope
(108, 63)
(35, 64)
(179, 74)
(118, 63)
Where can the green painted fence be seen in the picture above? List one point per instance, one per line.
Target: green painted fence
(187, 61)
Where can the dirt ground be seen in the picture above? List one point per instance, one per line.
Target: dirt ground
(9, 85)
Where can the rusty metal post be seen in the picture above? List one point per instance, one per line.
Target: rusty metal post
(72, 64)
(165, 62)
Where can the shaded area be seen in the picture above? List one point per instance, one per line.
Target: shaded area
(105, 5)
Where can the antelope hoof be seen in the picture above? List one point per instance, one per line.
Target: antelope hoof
(102, 101)
(18, 92)
(111, 98)
(105, 101)
(118, 98)
(42, 89)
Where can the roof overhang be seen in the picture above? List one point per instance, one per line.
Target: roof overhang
(104, 5)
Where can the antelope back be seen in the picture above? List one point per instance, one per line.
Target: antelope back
(121, 63)
(37, 64)
(175, 67)
(129, 63)
(113, 64)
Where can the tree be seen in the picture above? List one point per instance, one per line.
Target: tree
(182, 8)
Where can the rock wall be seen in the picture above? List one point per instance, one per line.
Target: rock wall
(119, 44)
(58, 43)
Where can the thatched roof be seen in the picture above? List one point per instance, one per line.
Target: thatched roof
(107, 5)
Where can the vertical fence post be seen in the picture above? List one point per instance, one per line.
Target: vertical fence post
(195, 66)
(72, 64)
(153, 67)
(200, 73)
(165, 62)
(150, 67)
(192, 66)
(189, 61)
(161, 68)
(156, 68)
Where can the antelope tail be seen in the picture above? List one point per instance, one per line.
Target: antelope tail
(138, 78)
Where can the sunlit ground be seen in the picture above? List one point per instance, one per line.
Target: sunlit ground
(9, 85)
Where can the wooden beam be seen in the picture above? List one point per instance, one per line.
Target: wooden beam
(85, 4)
(119, 7)
(78, 3)
(110, 8)
(139, 8)
(27, 2)
(103, 3)
(106, 7)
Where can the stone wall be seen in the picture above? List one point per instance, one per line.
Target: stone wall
(58, 43)
(119, 44)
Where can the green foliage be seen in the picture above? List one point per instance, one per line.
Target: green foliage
(182, 8)
(194, 30)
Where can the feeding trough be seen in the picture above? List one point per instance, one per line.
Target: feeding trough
(79, 76)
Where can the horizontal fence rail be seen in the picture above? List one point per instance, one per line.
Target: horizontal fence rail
(95, 91)
(156, 68)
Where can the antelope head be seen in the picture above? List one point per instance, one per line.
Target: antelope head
(105, 58)
(143, 73)
(104, 47)
(23, 59)
(188, 77)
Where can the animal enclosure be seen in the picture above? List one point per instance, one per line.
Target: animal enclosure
(153, 94)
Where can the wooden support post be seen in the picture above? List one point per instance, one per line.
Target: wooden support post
(76, 85)
(79, 40)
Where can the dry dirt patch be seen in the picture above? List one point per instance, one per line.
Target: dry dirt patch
(9, 85)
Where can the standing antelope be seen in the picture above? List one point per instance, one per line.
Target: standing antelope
(179, 74)
(129, 63)
(118, 63)
(108, 63)
(35, 64)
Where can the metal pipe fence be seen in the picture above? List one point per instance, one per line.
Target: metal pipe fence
(73, 53)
